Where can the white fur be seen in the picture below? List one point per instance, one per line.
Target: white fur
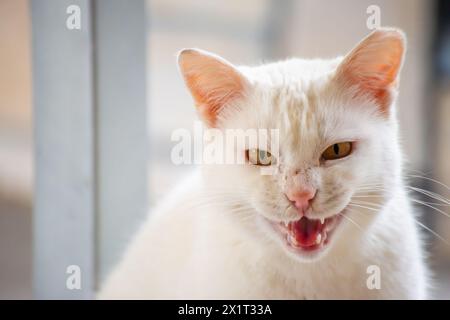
(208, 239)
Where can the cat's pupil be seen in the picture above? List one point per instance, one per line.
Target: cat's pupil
(264, 157)
(336, 148)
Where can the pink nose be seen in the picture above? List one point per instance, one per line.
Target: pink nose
(301, 199)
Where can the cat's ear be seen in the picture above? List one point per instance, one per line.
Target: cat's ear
(372, 67)
(214, 83)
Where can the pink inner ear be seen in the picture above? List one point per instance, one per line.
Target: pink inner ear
(212, 81)
(373, 66)
(211, 94)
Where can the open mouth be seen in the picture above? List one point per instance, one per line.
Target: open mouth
(306, 234)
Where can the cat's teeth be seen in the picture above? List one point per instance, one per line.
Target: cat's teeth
(319, 238)
(293, 240)
(322, 220)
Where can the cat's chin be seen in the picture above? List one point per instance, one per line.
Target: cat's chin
(306, 239)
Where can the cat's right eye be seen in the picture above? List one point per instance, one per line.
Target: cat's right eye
(260, 157)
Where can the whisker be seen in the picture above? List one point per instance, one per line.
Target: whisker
(364, 207)
(430, 206)
(430, 179)
(430, 194)
(375, 205)
(351, 220)
(431, 231)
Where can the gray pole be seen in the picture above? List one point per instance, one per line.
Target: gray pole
(90, 139)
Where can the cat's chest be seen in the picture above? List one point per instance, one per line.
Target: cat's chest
(246, 275)
(315, 283)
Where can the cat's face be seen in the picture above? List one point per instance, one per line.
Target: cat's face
(337, 155)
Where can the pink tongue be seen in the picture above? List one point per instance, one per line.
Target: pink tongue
(305, 231)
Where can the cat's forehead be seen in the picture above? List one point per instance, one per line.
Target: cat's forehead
(291, 95)
(296, 112)
(291, 72)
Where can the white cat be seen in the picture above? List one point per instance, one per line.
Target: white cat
(333, 221)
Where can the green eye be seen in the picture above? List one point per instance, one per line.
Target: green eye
(337, 151)
(260, 157)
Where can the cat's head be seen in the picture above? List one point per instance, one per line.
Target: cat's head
(337, 159)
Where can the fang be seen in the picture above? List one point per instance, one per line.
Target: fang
(318, 238)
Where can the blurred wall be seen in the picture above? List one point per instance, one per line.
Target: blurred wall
(15, 101)
(15, 150)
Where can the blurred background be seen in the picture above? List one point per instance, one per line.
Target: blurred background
(244, 32)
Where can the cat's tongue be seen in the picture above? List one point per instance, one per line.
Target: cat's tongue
(305, 232)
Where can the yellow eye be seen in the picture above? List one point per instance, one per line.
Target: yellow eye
(260, 157)
(337, 151)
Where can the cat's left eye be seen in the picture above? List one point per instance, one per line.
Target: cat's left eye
(260, 157)
(337, 151)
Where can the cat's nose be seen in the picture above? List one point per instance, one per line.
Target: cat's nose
(301, 199)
